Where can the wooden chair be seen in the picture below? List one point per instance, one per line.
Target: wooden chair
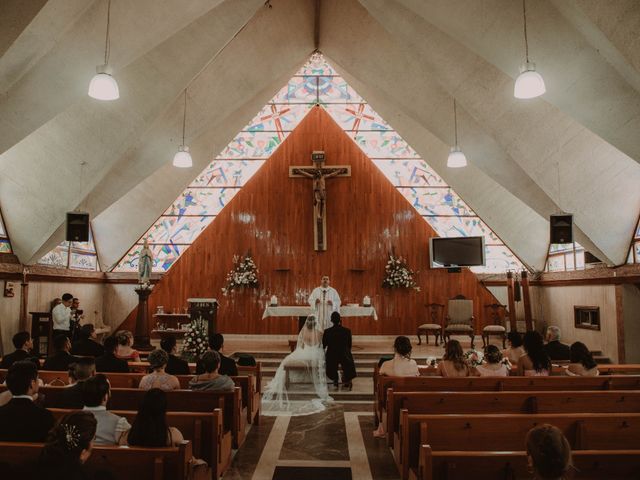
(496, 327)
(434, 323)
(460, 319)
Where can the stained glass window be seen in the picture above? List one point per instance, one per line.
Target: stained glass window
(565, 257)
(316, 83)
(73, 255)
(5, 244)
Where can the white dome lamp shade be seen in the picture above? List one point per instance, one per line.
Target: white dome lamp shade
(456, 158)
(182, 159)
(529, 83)
(103, 86)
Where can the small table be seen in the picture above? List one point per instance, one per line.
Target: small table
(172, 320)
(303, 311)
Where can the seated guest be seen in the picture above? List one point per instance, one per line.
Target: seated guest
(21, 420)
(67, 448)
(401, 365)
(549, 452)
(536, 362)
(211, 379)
(23, 344)
(109, 362)
(150, 427)
(492, 366)
(95, 394)
(582, 362)
(453, 363)
(158, 378)
(124, 350)
(61, 359)
(554, 349)
(79, 372)
(515, 350)
(87, 344)
(175, 365)
(227, 365)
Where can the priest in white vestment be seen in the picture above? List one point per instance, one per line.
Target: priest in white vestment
(325, 300)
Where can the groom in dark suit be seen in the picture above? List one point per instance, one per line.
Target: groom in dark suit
(336, 341)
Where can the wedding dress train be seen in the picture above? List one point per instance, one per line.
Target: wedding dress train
(309, 355)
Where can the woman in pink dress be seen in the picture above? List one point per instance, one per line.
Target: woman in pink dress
(493, 366)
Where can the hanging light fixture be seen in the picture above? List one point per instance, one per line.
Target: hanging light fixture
(529, 83)
(182, 158)
(103, 86)
(456, 158)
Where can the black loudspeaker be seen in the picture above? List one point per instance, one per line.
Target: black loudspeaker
(77, 227)
(517, 291)
(561, 230)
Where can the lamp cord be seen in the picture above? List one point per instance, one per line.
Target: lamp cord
(526, 41)
(455, 121)
(107, 43)
(184, 117)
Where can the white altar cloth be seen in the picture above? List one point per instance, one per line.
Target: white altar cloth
(304, 310)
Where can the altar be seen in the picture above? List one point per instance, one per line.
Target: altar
(303, 311)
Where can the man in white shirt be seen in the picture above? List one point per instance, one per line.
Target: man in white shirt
(111, 427)
(61, 316)
(325, 300)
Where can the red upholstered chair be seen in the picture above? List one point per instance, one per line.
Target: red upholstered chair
(435, 312)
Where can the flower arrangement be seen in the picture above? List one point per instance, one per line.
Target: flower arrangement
(243, 274)
(195, 340)
(398, 274)
(473, 358)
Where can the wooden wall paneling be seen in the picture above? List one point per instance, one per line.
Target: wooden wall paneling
(271, 217)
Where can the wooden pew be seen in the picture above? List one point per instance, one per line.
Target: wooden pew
(496, 384)
(125, 463)
(234, 417)
(560, 369)
(204, 430)
(584, 431)
(248, 384)
(439, 403)
(457, 465)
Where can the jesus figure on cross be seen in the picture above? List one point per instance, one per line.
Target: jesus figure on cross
(319, 173)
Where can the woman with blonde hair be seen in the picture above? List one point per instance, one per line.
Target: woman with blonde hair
(453, 363)
(124, 350)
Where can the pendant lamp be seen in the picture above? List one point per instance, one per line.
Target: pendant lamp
(103, 86)
(456, 158)
(529, 83)
(182, 159)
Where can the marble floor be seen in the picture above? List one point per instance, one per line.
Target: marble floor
(335, 444)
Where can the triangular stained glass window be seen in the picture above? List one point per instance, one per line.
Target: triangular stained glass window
(315, 83)
(5, 244)
(73, 255)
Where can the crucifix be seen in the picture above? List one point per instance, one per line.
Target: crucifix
(318, 172)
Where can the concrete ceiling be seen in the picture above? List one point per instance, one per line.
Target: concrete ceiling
(576, 149)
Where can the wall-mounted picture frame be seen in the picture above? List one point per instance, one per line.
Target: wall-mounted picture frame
(9, 289)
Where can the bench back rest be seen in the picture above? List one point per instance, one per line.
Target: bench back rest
(438, 403)
(125, 463)
(500, 432)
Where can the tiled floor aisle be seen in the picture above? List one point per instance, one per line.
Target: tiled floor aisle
(334, 444)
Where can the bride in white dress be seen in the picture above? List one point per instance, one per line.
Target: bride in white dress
(310, 355)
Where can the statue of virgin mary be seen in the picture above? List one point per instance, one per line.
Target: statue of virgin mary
(145, 264)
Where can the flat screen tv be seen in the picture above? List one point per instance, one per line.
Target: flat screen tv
(456, 252)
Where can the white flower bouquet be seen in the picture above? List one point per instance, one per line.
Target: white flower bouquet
(243, 274)
(195, 340)
(398, 274)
